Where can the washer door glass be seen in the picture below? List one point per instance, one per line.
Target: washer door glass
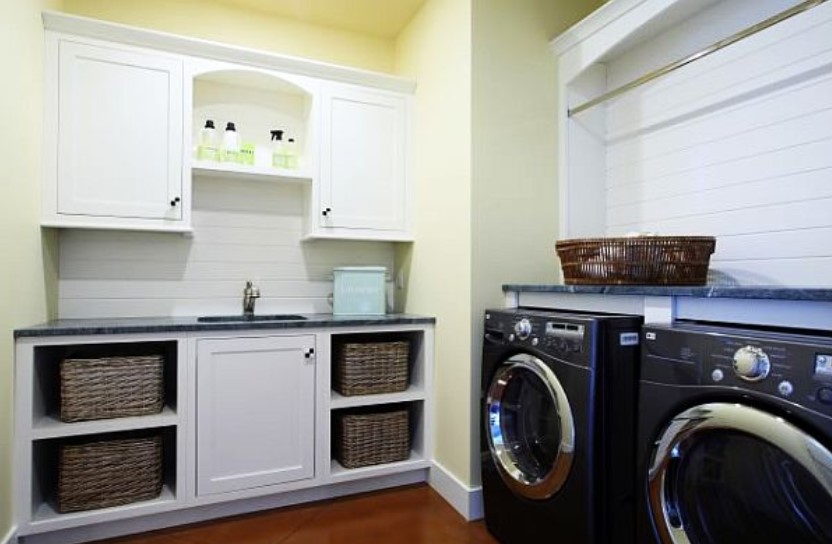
(530, 427)
(730, 473)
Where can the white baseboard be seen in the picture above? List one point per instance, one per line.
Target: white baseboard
(10, 537)
(465, 500)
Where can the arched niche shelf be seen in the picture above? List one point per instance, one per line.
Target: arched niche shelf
(257, 101)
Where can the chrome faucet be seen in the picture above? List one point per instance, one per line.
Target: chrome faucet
(250, 296)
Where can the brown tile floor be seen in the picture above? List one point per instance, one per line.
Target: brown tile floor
(409, 515)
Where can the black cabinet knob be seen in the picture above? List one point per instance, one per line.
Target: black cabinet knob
(175, 201)
(326, 211)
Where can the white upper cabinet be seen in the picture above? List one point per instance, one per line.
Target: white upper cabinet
(115, 155)
(363, 186)
(123, 126)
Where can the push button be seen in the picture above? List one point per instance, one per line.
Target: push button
(824, 395)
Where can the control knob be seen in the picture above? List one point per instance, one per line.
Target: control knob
(751, 364)
(523, 328)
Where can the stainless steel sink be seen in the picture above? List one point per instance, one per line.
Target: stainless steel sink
(247, 318)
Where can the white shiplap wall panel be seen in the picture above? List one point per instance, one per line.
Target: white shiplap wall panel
(242, 230)
(737, 145)
(769, 59)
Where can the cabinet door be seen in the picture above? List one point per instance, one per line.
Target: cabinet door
(363, 170)
(120, 133)
(255, 412)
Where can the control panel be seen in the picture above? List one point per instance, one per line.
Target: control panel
(796, 368)
(559, 337)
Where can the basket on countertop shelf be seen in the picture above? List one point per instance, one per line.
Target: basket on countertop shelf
(369, 368)
(107, 473)
(363, 439)
(640, 260)
(111, 387)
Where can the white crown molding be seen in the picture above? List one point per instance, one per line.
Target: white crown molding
(591, 24)
(153, 39)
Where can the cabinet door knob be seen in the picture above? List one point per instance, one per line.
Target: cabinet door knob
(175, 201)
(309, 353)
(326, 211)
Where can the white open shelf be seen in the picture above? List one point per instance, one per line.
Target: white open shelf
(46, 516)
(230, 170)
(51, 426)
(338, 401)
(414, 462)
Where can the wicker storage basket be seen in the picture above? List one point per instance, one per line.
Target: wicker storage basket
(111, 387)
(363, 439)
(643, 260)
(367, 368)
(109, 473)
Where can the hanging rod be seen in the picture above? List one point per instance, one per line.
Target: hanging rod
(664, 70)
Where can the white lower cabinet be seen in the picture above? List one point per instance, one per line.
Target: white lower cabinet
(248, 420)
(255, 412)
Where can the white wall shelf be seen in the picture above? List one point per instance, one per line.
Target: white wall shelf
(225, 170)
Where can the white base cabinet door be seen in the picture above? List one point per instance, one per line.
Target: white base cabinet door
(255, 412)
(119, 142)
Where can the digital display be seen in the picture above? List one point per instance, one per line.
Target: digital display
(823, 366)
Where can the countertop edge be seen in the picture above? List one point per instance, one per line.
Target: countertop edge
(87, 327)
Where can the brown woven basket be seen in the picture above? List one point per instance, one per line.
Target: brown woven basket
(109, 473)
(643, 260)
(363, 439)
(111, 387)
(367, 368)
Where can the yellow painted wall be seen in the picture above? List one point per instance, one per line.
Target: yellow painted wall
(28, 277)
(514, 159)
(515, 195)
(484, 155)
(218, 22)
(435, 50)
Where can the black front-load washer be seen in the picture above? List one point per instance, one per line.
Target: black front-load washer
(735, 431)
(558, 433)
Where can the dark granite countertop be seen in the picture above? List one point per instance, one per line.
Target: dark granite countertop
(705, 291)
(143, 325)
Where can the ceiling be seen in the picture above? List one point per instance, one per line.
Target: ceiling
(384, 18)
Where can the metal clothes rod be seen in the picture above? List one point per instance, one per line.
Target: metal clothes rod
(664, 70)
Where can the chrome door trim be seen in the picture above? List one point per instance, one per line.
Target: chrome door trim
(504, 458)
(679, 435)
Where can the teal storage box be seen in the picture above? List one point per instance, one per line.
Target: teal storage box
(359, 290)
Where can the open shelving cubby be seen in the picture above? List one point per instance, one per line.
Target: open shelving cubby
(39, 419)
(46, 421)
(45, 456)
(413, 398)
(257, 102)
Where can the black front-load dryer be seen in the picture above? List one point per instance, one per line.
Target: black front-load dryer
(558, 441)
(735, 431)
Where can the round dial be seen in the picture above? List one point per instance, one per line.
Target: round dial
(751, 364)
(523, 328)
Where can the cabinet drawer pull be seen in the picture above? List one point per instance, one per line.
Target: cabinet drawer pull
(175, 201)
(309, 353)
(326, 211)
